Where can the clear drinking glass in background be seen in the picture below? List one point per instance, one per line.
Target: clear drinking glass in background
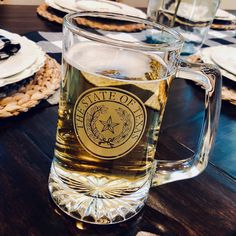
(191, 18)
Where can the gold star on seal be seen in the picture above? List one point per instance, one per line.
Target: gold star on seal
(108, 125)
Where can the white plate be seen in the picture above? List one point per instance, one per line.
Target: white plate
(196, 13)
(40, 60)
(225, 57)
(206, 57)
(224, 15)
(67, 4)
(108, 6)
(100, 6)
(52, 4)
(93, 5)
(22, 59)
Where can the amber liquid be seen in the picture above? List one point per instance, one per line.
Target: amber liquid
(115, 176)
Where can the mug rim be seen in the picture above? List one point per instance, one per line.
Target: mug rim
(174, 45)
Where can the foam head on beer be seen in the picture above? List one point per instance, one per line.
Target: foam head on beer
(125, 63)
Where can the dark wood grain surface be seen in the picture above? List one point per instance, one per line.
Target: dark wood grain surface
(23, 19)
(203, 206)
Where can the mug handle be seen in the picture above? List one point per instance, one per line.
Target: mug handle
(209, 77)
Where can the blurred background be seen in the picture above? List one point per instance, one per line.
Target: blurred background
(225, 4)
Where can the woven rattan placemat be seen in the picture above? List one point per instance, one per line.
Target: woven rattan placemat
(55, 16)
(43, 10)
(224, 27)
(44, 84)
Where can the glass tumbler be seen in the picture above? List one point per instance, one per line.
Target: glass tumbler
(114, 89)
(191, 18)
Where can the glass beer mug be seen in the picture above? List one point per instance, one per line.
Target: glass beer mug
(116, 75)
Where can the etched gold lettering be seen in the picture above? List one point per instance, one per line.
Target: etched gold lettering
(79, 117)
(140, 124)
(112, 96)
(103, 94)
(95, 98)
(139, 109)
(139, 116)
(102, 109)
(88, 96)
(139, 113)
(79, 120)
(124, 98)
(79, 110)
(131, 102)
(137, 129)
(84, 103)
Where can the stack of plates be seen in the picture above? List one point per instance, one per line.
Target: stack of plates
(224, 16)
(225, 58)
(23, 64)
(224, 20)
(68, 6)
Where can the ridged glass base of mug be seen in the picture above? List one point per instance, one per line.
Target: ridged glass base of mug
(97, 200)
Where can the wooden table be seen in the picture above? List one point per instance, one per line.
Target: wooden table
(203, 206)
